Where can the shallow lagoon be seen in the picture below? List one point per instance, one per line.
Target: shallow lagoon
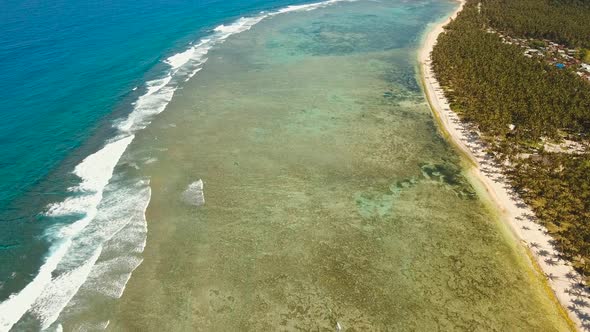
(330, 199)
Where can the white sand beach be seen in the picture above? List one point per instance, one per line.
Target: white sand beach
(562, 278)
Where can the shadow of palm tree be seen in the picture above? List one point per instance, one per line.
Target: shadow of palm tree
(550, 261)
(543, 253)
(571, 276)
(580, 303)
(584, 317)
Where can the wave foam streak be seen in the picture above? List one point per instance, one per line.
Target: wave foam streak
(94, 173)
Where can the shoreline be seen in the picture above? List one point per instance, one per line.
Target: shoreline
(561, 277)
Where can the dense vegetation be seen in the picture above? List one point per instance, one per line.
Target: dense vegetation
(557, 187)
(562, 21)
(494, 86)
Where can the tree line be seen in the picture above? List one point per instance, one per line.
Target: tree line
(518, 103)
(562, 21)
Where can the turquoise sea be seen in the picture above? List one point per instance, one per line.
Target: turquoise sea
(240, 166)
(70, 72)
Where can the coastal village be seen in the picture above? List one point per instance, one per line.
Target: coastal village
(562, 57)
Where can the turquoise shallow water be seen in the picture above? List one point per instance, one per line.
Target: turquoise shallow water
(66, 65)
(299, 183)
(65, 69)
(281, 173)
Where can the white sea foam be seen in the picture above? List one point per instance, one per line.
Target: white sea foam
(192, 74)
(146, 107)
(294, 8)
(241, 25)
(59, 292)
(119, 232)
(308, 7)
(156, 85)
(112, 225)
(150, 161)
(194, 194)
(15, 306)
(193, 53)
(110, 277)
(95, 172)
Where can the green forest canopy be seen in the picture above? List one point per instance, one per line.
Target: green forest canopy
(493, 85)
(562, 21)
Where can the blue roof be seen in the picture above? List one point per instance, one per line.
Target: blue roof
(560, 65)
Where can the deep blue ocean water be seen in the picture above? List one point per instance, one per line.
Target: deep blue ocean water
(68, 69)
(64, 65)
